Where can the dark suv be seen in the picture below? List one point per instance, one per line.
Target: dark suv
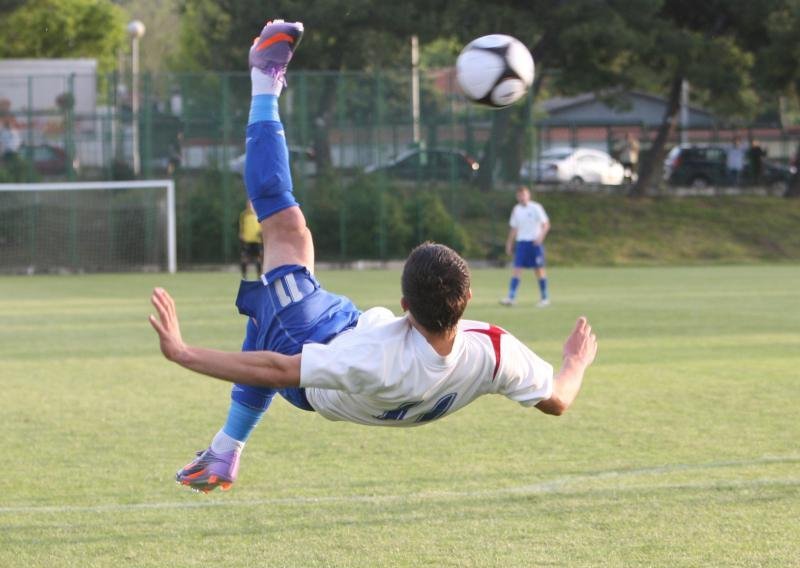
(704, 166)
(436, 164)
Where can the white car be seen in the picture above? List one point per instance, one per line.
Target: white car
(574, 166)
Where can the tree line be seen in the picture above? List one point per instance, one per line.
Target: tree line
(740, 56)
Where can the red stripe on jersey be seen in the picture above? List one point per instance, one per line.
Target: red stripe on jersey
(494, 334)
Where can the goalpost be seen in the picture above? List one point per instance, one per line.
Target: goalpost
(106, 226)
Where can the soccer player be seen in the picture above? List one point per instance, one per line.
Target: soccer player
(529, 226)
(318, 351)
(249, 240)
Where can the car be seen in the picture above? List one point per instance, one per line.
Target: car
(436, 164)
(574, 166)
(299, 156)
(49, 159)
(705, 166)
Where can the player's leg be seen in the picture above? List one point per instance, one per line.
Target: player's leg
(286, 238)
(243, 260)
(267, 175)
(218, 465)
(541, 276)
(259, 258)
(513, 284)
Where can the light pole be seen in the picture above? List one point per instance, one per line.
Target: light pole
(415, 90)
(135, 31)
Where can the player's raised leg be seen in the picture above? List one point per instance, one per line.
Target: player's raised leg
(287, 240)
(267, 175)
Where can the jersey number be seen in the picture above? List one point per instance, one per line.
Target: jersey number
(439, 409)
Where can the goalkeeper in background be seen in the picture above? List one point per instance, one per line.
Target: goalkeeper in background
(250, 240)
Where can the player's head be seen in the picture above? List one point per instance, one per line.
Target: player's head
(435, 287)
(523, 195)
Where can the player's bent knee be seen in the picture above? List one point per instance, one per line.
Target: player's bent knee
(287, 221)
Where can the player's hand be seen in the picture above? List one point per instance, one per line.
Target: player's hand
(508, 249)
(166, 325)
(581, 345)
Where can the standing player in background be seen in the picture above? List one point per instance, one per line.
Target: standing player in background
(629, 156)
(529, 226)
(251, 248)
(385, 370)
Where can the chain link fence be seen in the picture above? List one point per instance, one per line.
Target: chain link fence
(372, 182)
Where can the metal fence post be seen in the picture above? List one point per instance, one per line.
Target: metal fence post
(226, 177)
(29, 171)
(342, 190)
(302, 124)
(382, 179)
(69, 127)
(147, 116)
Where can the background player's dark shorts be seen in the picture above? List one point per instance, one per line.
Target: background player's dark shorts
(528, 255)
(251, 250)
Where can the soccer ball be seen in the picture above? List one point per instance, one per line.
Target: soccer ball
(495, 70)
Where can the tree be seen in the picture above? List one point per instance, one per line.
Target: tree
(779, 63)
(710, 44)
(64, 28)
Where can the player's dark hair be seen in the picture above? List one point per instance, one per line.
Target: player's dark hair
(436, 284)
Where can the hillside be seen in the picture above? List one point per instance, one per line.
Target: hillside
(600, 229)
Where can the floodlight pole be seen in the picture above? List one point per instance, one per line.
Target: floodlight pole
(136, 30)
(417, 135)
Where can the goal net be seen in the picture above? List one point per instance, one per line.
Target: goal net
(87, 227)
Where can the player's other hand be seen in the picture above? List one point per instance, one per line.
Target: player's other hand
(166, 325)
(581, 345)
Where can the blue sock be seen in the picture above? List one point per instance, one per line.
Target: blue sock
(263, 107)
(241, 421)
(248, 404)
(543, 288)
(512, 287)
(266, 171)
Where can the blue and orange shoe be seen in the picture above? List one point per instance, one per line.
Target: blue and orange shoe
(210, 470)
(273, 49)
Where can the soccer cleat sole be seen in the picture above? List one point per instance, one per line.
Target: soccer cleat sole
(203, 486)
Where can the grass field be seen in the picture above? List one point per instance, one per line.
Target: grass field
(682, 450)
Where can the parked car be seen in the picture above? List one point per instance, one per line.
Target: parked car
(437, 164)
(704, 166)
(48, 159)
(299, 156)
(575, 166)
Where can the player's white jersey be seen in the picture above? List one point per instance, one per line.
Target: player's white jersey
(384, 372)
(528, 220)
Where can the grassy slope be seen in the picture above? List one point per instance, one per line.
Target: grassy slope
(613, 230)
(681, 450)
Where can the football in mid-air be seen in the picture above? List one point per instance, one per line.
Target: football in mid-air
(495, 70)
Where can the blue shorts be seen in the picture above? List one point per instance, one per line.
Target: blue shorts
(287, 309)
(528, 255)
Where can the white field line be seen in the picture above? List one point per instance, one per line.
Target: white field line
(571, 484)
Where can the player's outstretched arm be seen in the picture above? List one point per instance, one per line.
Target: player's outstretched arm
(256, 368)
(580, 350)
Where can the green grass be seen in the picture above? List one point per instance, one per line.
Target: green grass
(682, 450)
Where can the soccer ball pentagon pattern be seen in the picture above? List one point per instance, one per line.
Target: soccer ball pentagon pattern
(495, 70)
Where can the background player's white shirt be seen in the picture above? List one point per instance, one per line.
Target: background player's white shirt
(528, 220)
(384, 372)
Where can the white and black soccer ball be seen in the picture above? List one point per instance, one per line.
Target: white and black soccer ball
(495, 70)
